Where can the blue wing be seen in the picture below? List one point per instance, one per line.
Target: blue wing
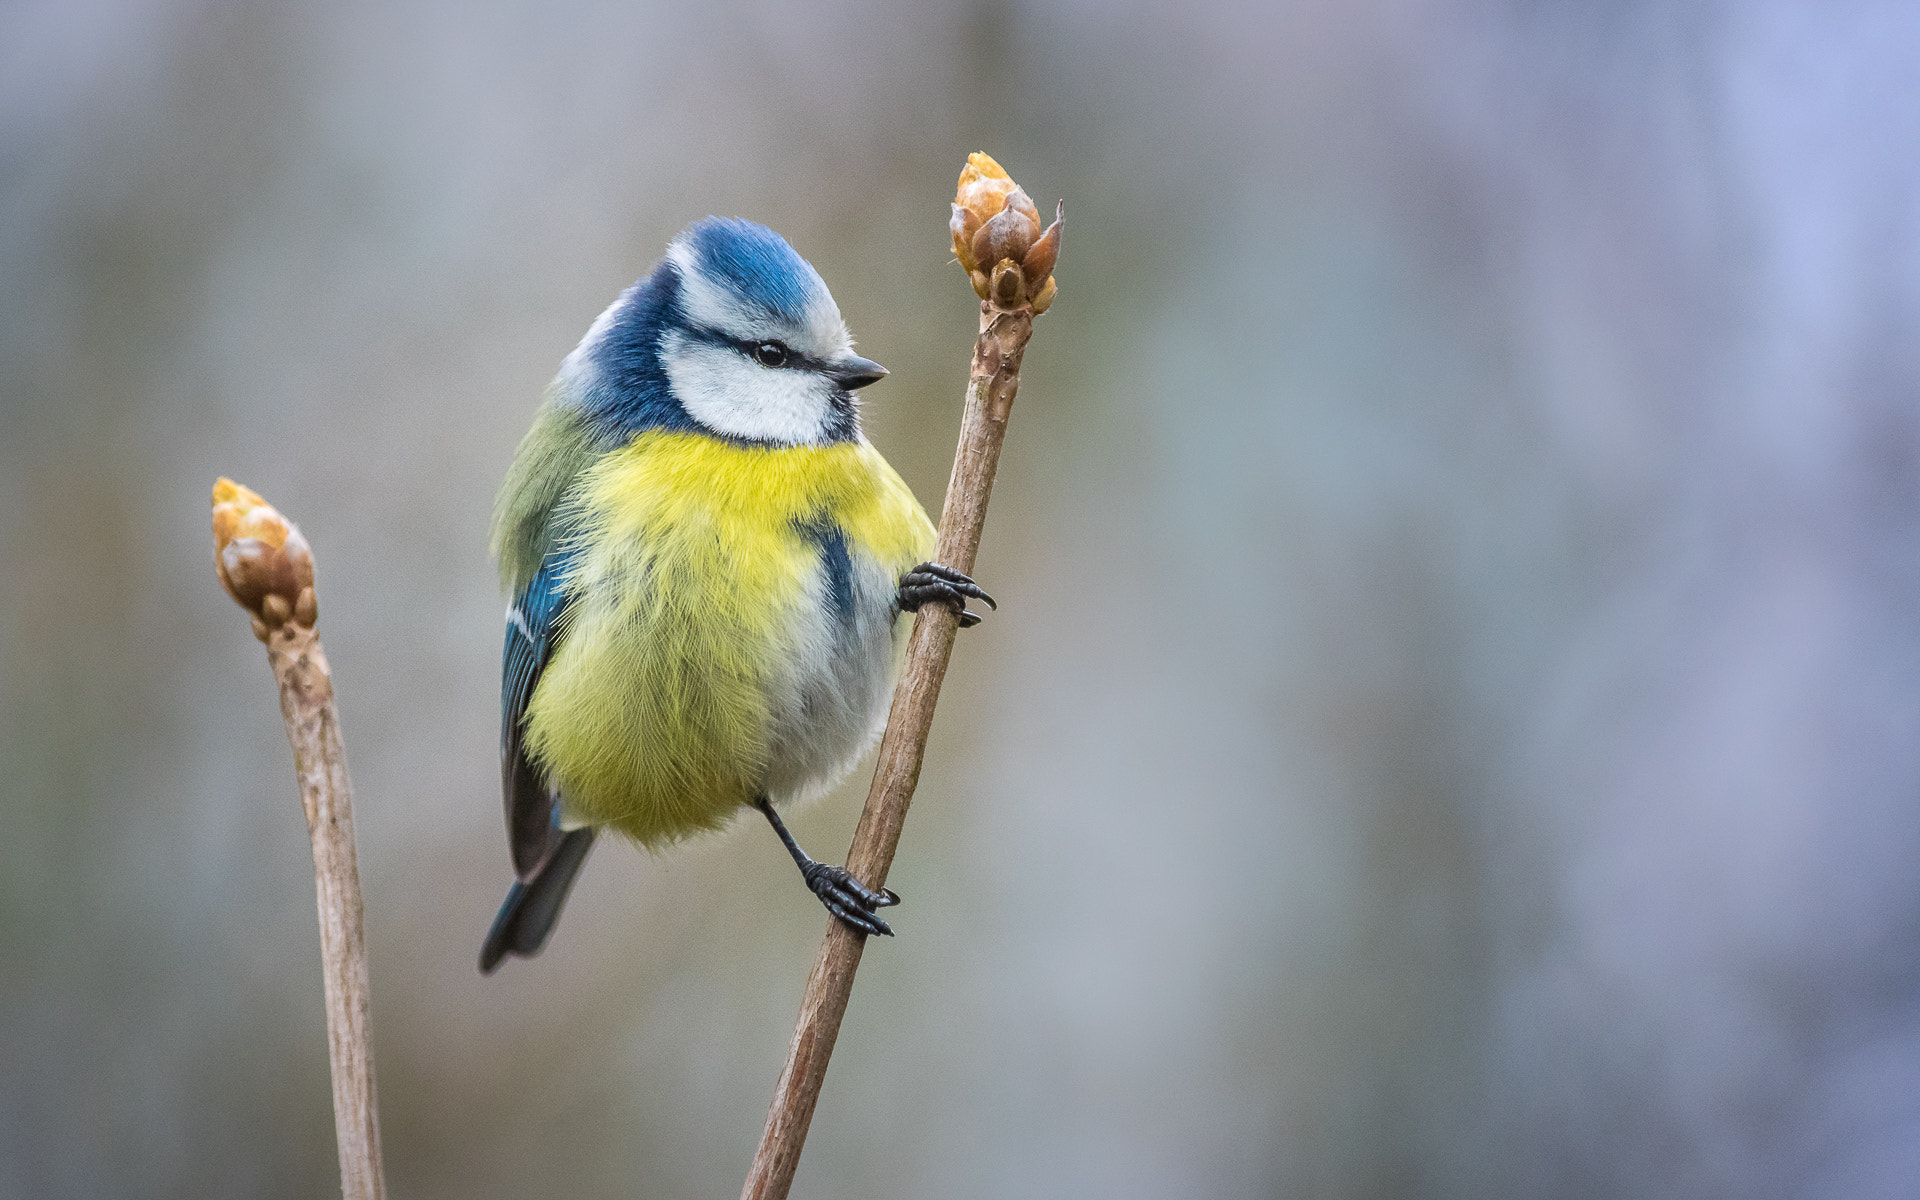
(533, 632)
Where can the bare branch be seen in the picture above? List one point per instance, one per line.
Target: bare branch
(266, 565)
(992, 217)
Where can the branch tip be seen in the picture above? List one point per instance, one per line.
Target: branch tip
(261, 559)
(995, 226)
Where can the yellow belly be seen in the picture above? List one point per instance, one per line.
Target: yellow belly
(694, 582)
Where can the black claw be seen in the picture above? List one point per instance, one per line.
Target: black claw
(865, 922)
(843, 895)
(930, 582)
(960, 583)
(828, 881)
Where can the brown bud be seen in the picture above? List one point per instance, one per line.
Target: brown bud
(1009, 285)
(983, 186)
(963, 225)
(1006, 236)
(1044, 300)
(981, 196)
(997, 238)
(1017, 201)
(985, 196)
(1040, 259)
(260, 557)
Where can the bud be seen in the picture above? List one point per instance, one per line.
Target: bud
(997, 238)
(261, 559)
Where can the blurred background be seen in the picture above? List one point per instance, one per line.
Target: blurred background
(1451, 725)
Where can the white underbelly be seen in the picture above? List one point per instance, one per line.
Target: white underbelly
(830, 704)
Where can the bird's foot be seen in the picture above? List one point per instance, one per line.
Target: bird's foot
(846, 898)
(931, 583)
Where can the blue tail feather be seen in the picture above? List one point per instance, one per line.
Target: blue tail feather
(532, 906)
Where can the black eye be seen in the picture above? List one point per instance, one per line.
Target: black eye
(771, 354)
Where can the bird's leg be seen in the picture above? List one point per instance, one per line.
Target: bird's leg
(932, 583)
(844, 896)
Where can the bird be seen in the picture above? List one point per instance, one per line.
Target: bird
(707, 564)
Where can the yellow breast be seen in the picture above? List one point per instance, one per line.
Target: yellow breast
(689, 575)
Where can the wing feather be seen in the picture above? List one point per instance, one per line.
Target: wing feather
(533, 632)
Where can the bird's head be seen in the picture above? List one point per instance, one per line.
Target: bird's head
(733, 334)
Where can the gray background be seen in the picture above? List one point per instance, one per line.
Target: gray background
(1451, 726)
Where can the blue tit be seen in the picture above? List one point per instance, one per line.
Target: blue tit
(707, 562)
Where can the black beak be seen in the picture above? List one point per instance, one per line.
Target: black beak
(854, 372)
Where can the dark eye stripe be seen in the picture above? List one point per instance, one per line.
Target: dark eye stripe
(797, 360)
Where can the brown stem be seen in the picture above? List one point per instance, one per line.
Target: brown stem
(320, 765)
(267, 567)
(991, 386)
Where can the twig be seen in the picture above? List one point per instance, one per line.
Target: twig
(990, 218)
(265, 564)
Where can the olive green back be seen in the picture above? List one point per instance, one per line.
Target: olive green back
(528, 516)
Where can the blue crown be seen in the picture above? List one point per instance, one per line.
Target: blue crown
(756, 263)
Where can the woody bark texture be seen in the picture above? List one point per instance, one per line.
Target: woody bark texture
(267, 567)
(1010, 263)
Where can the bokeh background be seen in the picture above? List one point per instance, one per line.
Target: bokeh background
(1453, 724)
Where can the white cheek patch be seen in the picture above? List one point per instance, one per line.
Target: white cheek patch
(728, 393)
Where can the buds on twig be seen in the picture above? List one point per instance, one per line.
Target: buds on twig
(261, 559)
(997, 238)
